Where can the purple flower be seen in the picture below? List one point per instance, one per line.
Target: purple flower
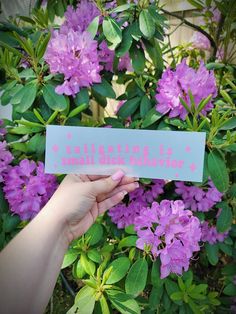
(123, 215)
(200, 41)
(175, 84)
(5, 160)
(211, 235)
(2, 130)
(73, 54)
(80, 18)
(198, 199)
(27, 188)
(171, 232)
(106, 58)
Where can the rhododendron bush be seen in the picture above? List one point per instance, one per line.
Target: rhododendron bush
(170, 246)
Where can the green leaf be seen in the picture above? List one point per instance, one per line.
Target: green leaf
(181, 284)
(115, 123)
(87, 264)
(112, 31)
(151, 117)
(122, 8)
(177, 296)
(126, 43)
(137, 276)
(128, 242)
(230, 290)
(155, 275)
(52, 99)
(84, 301)
(154, 50)
(37, 144)
(137, 59)
(146, 24)
(27, 73)
(69, 259)
(227, 249)
(200, 288)
(229, 124)
(212, 253)
(130, 229)
(224, 221)
(10, 223)
(25, 97)
(123, 302)
(79, 270)
(215, 66)
(13, 50)
(95, 256)
(104, 89)
(42, 45)
(145, 106)
(93, 27)
(155, 297)
(104, 305)
(77, 110)
(171, 286)
(129, 107)
(82, 97)
(120, 267)
(94, 234)
(194, 307)
(203, 103)
(218, 171)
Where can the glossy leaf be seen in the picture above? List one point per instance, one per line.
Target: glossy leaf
(52, 99)
(218, 171)
(137, 276)
(129, 107)
(120, 268)
(146, 24)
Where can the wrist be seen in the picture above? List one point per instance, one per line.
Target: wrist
(57, 222)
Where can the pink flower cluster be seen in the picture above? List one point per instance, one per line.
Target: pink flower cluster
(80, 18)
(72, 52)
(171, 232)
(2, 130)
(75, 55)
(27, 188)
(124, 216)
(198, 199)
(210, 234)
(176, 84)
(5, 160)
(200, 41)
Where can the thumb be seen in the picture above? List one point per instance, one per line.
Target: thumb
(108, 184)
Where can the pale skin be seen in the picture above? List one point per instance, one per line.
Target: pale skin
(31, 262)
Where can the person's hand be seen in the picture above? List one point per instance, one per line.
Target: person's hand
(81, 198)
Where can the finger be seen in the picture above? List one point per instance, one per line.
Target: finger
(127, 187)
(111, 201)
(107, 184)
(97, 177)
(124, 180)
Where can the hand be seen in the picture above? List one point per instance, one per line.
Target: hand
(80, 199)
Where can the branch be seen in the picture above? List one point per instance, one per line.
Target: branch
(196, 27)
(218, 32)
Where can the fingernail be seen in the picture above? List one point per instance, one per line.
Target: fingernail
(124, 192)
(117, 175)
(136, 179)
(136, 184)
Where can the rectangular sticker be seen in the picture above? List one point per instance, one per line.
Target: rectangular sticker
(152, 154)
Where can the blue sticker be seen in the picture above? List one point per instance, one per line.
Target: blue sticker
(152, 154)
